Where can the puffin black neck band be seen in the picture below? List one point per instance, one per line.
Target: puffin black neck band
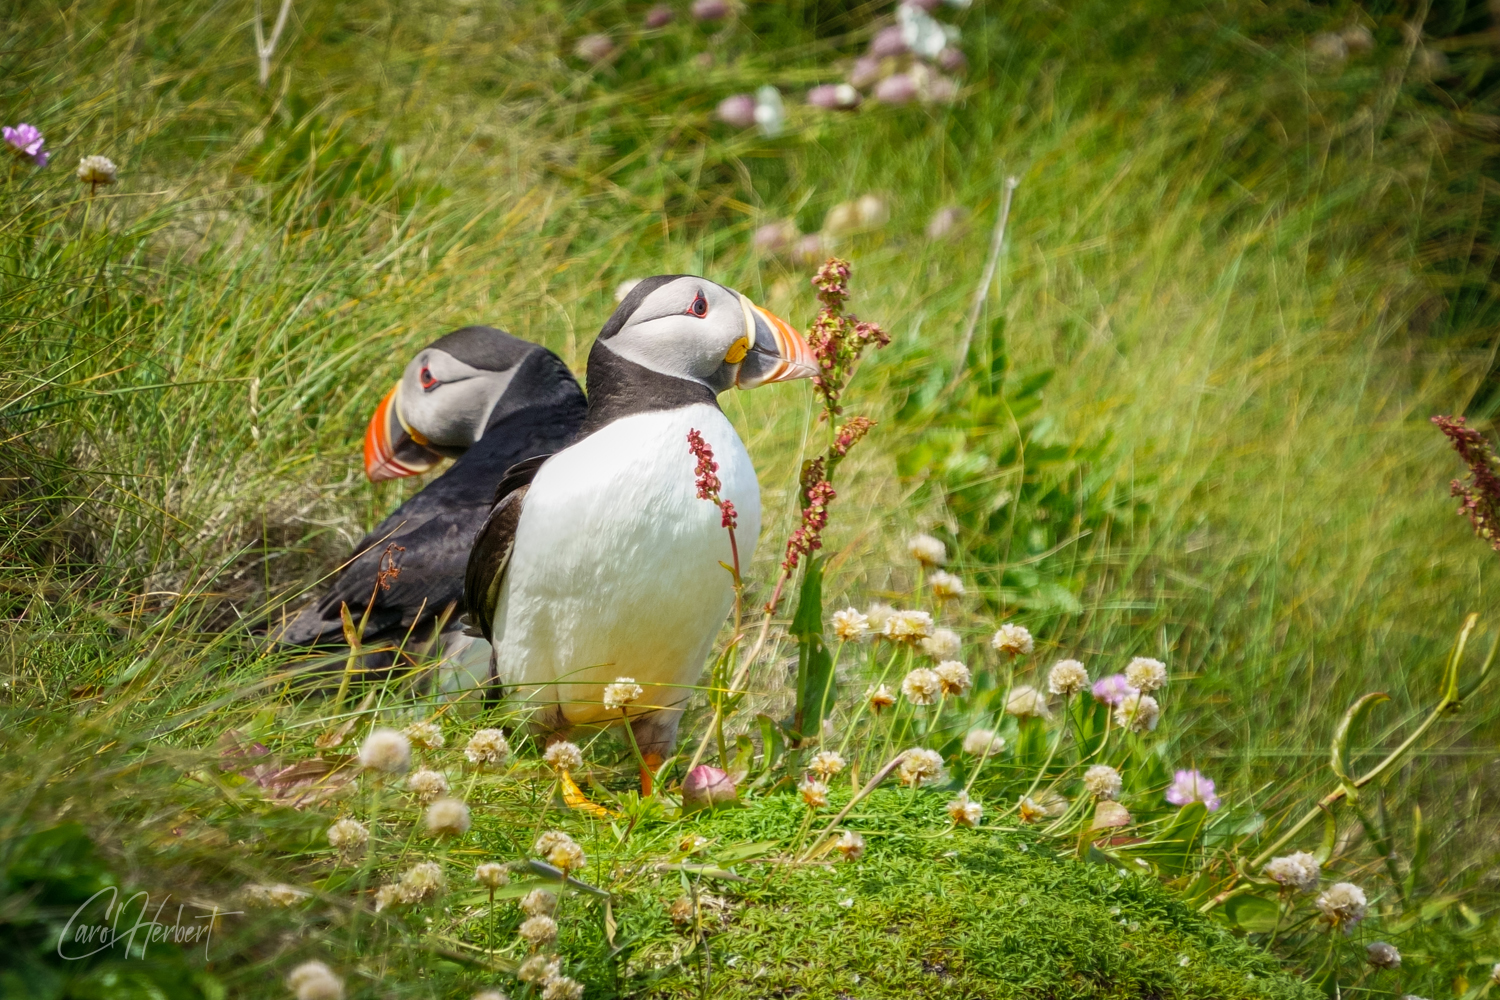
(619, 388)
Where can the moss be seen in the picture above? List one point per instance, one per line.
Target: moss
(981, 913)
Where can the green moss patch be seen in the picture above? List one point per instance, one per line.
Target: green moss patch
(972, 913)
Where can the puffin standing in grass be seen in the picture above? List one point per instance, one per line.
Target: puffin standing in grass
(488, 400)
(600, 562)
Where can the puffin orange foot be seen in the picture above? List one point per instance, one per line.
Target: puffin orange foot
(653, 761)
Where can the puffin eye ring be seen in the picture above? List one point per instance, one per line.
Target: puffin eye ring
(428, 382)
(699, 308)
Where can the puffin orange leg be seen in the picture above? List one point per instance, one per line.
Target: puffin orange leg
(653, 761)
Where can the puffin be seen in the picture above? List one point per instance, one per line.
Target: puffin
(488, 400)
(601, 562)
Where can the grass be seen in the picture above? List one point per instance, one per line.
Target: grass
(1248, 280)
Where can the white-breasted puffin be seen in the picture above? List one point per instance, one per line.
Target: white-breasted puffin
(488, 400)
(601, 561)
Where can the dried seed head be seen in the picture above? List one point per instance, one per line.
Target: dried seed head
(1299, 871)
(1013, 639)
(487, 746)
(1382, 955)
(851, 845)
(1138, 713)
(922, 686)
(385, 750)
(1342, 905)
(348, 837)
(315, 981)
(945, 586)
(983, 742)
(965, 811)
(953, 677)
(1102, 782)
(1146, 674)
(850, 626)
(826, 763)
(564, 756)
(942, 644)
(539, 903)
(427, 735)
(927, 550)
(427, 785)
(537, 931)
(492, 875)
(814, 792)
(624, 691)
(1067, 677)
(447, 818)
(1026, 702)
(920, 767)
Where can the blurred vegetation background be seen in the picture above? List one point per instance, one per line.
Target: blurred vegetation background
(1243, 268)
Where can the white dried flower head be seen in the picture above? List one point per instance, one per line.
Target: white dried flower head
(385, 750)
(945, 586)
(487, 746)
(882, 697)
(1138, 713)
(279, 894)
(560, 850)
(489, 995)
(427, 785)
(427, 735)
(1300, 871)
(1026, 702)
(879, 614)
(387, 896)
(1146, 674)
(1029, 810)
(1013, 639)
(1052, 803)
(1495, 974)
(1102, 782)
(814, 792)
(315, 981)
(942, 644)
(920, 767)
(97, 170)
(1382, 955)
(953, 676)
(539, 969)
(348, 837)
(492, 875)
(624, 691)
(422, 881)
(1342, 904)
(447, 818)
(907, 626)
(927, 550)
(1067, 677)
(921, 686)
(851, 845)
(965, 811)
(1109, 814)
(537, 931)
(562, 988)
(826, 763)
(850, 626)
(539, 903)
(983, 742)
(564, 756)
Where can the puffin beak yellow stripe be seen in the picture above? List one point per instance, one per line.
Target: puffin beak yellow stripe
(392, 450)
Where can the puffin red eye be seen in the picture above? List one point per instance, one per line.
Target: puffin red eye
(699, 307)
(428, 382)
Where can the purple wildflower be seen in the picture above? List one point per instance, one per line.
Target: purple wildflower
(659, 16)
(887, 42)
(866, 70)
(1113, 690)
(1192, 786)
(737, 110)
(27, 142)
(952, 60)
(898, 89)
(710, 10)
(833, 96)
(1480, 496)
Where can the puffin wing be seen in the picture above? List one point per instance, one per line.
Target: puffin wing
(490, 556)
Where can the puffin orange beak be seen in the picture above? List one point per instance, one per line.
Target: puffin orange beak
(391, 451)
(778, 352)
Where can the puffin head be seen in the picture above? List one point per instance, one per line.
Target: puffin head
(692, 328)
(443, 402)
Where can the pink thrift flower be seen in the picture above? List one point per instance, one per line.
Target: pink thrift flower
(594, 48)
(737, 110)
(27, 142)
(1192, 786)
(1113, 690)
(659, 16)
(775, 237)
(866, 70)
(926, 6)
(710, 10)
(834, 97)
(887, 42)
(898, 89)
(707, 786)
(951, 60)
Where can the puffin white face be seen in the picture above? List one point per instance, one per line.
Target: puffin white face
(443, 402)
(447, 402)
(692, 328)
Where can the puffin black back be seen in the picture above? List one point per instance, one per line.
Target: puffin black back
(426, 540)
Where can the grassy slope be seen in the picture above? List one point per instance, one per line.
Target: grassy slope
(1215, 249)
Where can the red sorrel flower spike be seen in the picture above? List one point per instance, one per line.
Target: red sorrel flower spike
(707, 479)
(1481, 496)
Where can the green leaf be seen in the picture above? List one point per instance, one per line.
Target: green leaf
(1422, 838)
(816, 687)
(770, 740)
(1253, 914)
(1172, 850)
(1339, 757)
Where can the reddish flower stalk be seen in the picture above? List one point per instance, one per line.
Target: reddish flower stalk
(837, 339)
(706, 477)
(1480, 497)
(809, 535)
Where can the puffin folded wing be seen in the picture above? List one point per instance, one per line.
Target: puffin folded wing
(490, 556)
